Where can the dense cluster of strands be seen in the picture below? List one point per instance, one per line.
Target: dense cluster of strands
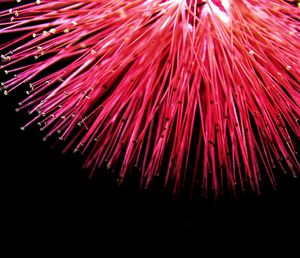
(196, 91)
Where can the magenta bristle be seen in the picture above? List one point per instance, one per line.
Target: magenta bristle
(192, 90)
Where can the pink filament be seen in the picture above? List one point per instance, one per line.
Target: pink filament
(145, 73)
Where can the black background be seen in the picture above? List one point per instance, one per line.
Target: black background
(45, 191)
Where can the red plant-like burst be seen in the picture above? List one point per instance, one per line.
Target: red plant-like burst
(194, 90)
